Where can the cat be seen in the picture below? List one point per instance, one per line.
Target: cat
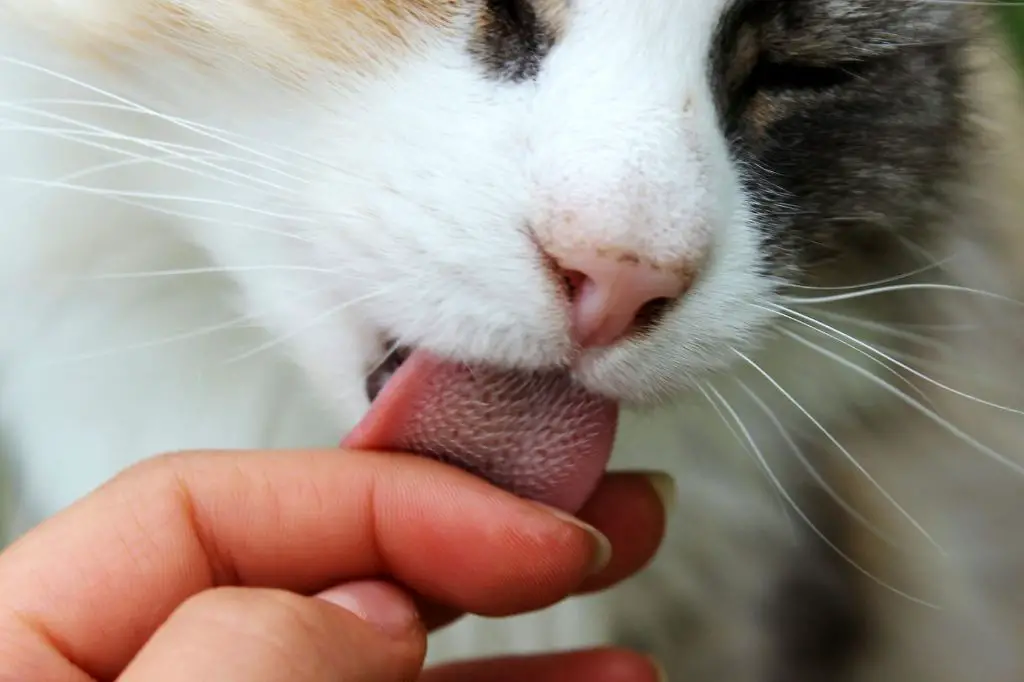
(783, 236)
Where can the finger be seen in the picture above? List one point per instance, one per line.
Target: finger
(630, 517)
(261, 635)
(601, 665)
(300, 521)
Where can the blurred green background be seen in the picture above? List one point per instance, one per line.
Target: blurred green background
(1013, 16)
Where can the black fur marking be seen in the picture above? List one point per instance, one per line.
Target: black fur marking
(850, 127)
(511, 40)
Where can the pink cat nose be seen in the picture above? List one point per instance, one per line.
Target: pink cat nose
(613, 293)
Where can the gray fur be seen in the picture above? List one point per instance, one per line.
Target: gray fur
(863, 168)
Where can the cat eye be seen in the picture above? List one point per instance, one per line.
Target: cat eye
(776, 76)
(771, 77)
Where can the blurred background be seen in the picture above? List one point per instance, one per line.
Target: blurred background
(1013, 16)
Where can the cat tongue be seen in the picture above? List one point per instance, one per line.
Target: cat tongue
(538, 435)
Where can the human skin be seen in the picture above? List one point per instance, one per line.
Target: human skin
(308, 566)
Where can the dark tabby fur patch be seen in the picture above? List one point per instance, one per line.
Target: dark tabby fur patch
(816, 614)
(848, 116)
(511, 39)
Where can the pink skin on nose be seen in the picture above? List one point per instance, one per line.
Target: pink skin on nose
(611, 290)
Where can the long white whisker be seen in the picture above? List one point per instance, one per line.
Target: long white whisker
(846, 453)
(813, 323)
(101, 168)
(811, 469)
(800, 512)
(878, 282)
(82, 137)
(211, 270)
(85, 189)
(903, 397)
(746, 444)
(218, 270)
(194, 217)
(318, 319)
(784, 312)
(921, 286)
(199, 129)
(174, 150)
(901, 332)
(174, 338)
(183, 147)
(147, 345)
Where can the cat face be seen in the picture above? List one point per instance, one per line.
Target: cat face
(747, 144)
(466, 176)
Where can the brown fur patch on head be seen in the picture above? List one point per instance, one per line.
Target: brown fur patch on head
(274, 34)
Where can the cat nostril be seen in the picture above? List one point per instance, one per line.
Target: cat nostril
(573, 280)
(651, 313)
(613, 294)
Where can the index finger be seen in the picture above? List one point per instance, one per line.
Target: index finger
(301, 521)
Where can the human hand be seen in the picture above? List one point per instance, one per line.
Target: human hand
(199, 566)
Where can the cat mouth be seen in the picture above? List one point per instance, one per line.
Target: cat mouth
(536, 434)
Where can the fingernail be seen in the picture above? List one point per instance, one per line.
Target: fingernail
(665, 487)
(659, 670)
(381, 605)
(602, 546)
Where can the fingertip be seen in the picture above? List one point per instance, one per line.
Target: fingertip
(665, 487)
(481, 549)
(601, 546)
(382, 605)
(631, 509)
(617, 665)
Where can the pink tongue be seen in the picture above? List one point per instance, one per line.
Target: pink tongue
(538, 435)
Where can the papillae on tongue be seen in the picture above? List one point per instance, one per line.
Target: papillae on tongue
(538, 435)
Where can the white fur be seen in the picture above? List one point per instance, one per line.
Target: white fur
(362, 208)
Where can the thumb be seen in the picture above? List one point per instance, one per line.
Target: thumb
(359, 632)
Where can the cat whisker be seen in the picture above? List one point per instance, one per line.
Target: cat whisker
(901, 330)
(88, 131)
(904, 380)
(938, 365)
(233, 323)
(317, 319)
(923, 252)
(200, 129)
(65, 180)
(132, 194)
(911, 402)
(808, 466)
(129, 109)
(211, 270)
(921, 286)
(802, 514)
(869, 349)
(842, 449)
(172, 150)
(100, 168)
(734, 425)
(878, 282)
(211, 220)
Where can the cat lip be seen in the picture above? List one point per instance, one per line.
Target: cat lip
(379, 376)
